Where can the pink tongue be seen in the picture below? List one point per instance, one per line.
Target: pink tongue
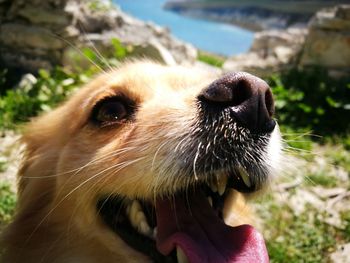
(190, 223)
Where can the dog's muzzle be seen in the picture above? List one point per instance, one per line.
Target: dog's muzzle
(249, 99)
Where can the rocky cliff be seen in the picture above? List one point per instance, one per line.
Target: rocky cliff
(252, 14)
(325, 42)
(328, 41)
(40, 34)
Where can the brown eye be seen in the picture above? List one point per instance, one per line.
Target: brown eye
(111, 111)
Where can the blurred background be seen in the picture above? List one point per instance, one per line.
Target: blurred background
(301, 48)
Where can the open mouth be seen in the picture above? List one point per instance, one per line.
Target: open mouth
(187, 226)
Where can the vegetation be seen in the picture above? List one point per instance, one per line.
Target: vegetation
(7, 203)
(48, 89)
(211, 59)
(300, 238)
(96, 5)
(305, 221)
(307, 102)
(29, 99)
(311, 99)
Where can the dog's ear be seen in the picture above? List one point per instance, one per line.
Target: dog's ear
(44, 137)
(37, 176)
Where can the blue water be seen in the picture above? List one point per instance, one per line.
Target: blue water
(206, 35)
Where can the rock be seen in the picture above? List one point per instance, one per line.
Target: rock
(103, 47)
(327, 193)
(252, 63)
(343, 12)
(328, 41)
(28, 80)
(266, 41)
(283, 54)
(342, 254)
(36, 15)
(10, 154)
(154, 50)
(253, 16)
(36, 34)
(24, 36)
(272, 51)
(298, 202)
(25, 61)
(325, 43)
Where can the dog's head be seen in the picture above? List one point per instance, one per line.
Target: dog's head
(145, 160)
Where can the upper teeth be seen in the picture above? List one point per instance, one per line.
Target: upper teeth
(244, 175)
(138, 219)
(218, 184)
(213, 185)
(221, 183)
(210, 201)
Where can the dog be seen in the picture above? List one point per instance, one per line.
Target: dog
(147, 163)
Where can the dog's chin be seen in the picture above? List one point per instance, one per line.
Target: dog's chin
(188, 225)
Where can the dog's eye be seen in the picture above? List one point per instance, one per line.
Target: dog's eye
(111, 111)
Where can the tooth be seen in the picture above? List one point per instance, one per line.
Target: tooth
(134, 209)
(244, 176)
(213, 186)
(144, 228)
(181, 257)
(210, 201)
(138, 219)
(221, 183)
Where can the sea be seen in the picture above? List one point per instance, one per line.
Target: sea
(215, 37)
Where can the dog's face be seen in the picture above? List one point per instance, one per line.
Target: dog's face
(142, 164)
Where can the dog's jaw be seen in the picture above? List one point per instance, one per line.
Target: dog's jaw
(202, 148)
(199, 195)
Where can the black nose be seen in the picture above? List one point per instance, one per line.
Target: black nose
(249, 98)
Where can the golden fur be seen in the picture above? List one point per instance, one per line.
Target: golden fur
(68, 164)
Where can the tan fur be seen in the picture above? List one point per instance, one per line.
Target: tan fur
(67, 165)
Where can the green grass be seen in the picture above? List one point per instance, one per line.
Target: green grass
(50, 88)
(18, 104)
(7, 203)
(211, 59)
(3, 166)
(298, 238)
(321, 178)
(346, 218)
(340, 156)
(312, 100)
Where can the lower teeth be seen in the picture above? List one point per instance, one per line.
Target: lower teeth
(181, 257)
(138, 219)
(210, 201)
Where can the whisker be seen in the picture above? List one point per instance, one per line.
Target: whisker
(156, 153)
(77, 170)
(195, 160)
(72, 191)
(79, 51)
(99, 55)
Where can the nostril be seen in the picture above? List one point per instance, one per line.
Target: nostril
(247, 98)
(232, 93)
(269, 103)
(242, 91)
(218, 92)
